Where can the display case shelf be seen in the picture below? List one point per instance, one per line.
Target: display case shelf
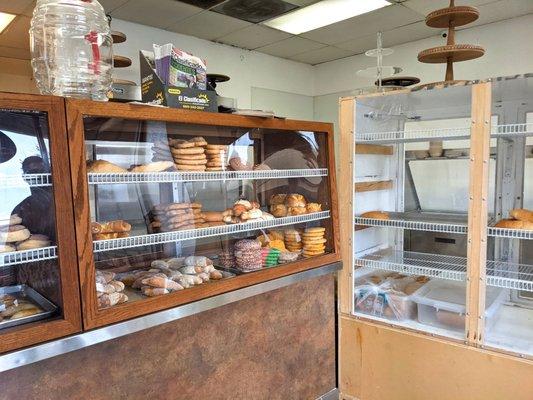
(512, 130)
(26, 256)
(174, 236)
(510, 233)
(163, 177)
(414, 263)
(25, 180)
(412, 225)
(510, 276)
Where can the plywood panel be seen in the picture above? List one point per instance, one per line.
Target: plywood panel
(371, 186)
(381, 363)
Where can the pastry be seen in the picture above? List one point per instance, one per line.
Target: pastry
(279, 210)
(236, 164)
(375, 215)
(313, 207)
(11, 220)
(277, 199)
(514, 224)
(14, 233)
(26, 313)
(103, 166)
(295, 200)
(35, 241)
(248, 255)
(198, 141)
(296, 210)
(7, 249)
(157, 166)
(522, 214)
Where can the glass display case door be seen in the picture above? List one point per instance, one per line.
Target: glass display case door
(39, 297)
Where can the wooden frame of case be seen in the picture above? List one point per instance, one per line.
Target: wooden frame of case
(41, 331)
(351, 353)
(76, 110)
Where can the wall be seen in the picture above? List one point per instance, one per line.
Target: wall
(279, 345)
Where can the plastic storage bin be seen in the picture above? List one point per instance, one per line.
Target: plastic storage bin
(443, 304)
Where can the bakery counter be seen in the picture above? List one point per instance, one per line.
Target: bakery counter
(250, 339)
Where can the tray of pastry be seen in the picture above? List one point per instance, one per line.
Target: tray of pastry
(21, 304)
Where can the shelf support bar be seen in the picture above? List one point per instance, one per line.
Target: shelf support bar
(478, 212)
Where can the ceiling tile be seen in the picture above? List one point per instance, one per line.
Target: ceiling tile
(500, 10)
(203, 3)
(218, 25)
(290, 47)
(328, 53)
(253, 37)
(11, 52)
(408, 33)
(359, 45)
(165, 14)
(302, 3)
(366, 24)
(254, 10)
(111, 5)
(425, 7)
(14, 7)
(16, 35)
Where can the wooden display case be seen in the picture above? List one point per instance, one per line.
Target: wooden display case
(294, 157)
(443, 165)
(40, 270)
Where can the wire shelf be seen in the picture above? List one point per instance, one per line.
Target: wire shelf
(414, 136)
(26, 256)
(175, 236)
(413, 263)
(509, 130)
(413, 225)
(510, 233)
(160, 177)
(26, 180)
(510, 276)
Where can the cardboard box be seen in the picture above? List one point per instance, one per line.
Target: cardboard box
(153, 90)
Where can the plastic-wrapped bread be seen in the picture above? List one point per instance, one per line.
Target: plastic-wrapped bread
(522, 214)
(109, 300)
(215, 275)
(160, 282)
(176, 263)
(152, 292)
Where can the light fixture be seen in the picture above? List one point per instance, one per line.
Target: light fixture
(323, 13)
(5, 20)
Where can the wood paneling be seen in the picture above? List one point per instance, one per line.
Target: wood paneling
(372, 186)
(381, 363)
(374, 149)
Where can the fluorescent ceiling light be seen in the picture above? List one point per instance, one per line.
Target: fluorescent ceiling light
(5, 20)
(323, 13)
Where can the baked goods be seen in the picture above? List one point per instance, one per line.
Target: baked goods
(216, 155)
(243, 211)
(189, 155)
(295, 200)
(375, 215)
(277, 199)
(270, 256)
(15, 306)
(110, 230)
(282, 205)
(286, 257)
(7, 248)
(13, 233)
(213, 216)
(279, 210)
(314, 242)
(226, 259)
(109, 290)
(35, 241)
(157, 166)
(13, 219)
(176, 216)
(237, 164)
(103, 166)
(293, 240)
(248, 255)
(313, 207)
(522, 214)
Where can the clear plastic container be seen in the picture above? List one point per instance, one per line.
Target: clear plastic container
(443, 304)
(71, 48)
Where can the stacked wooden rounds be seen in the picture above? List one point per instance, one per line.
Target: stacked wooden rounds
(177, 217)
(216, 157)
(293, 240)
(314, 242)
(189, 155)
(248, 255)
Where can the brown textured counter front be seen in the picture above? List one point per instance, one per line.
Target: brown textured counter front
(279, 345)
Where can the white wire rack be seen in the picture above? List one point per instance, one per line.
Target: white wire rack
(413, 263)
(159, 177)
(414, 225)
(25, 180)
(510, 276)
(508, 130)
(510, 233)
(175, 236)
(414, 135)
(26, 256)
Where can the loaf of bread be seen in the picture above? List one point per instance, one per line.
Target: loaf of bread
(514, 224)
(213, 216)
(157, 166)
(295, 200)
(110, 227)
(14, 233)
(375, 215)
(522, 214)
(103, 166)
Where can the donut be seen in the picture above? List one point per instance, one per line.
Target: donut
(15, 233)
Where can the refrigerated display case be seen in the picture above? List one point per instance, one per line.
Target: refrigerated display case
(174, 206)
(39, 298)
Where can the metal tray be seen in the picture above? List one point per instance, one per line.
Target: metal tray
(27, 293)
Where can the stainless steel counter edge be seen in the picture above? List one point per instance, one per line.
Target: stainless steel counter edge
(75, 342)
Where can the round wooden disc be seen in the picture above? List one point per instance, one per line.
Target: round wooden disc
(399, 81)
(454, 52)
(118, 37)
(121, 62)
(459, 16)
